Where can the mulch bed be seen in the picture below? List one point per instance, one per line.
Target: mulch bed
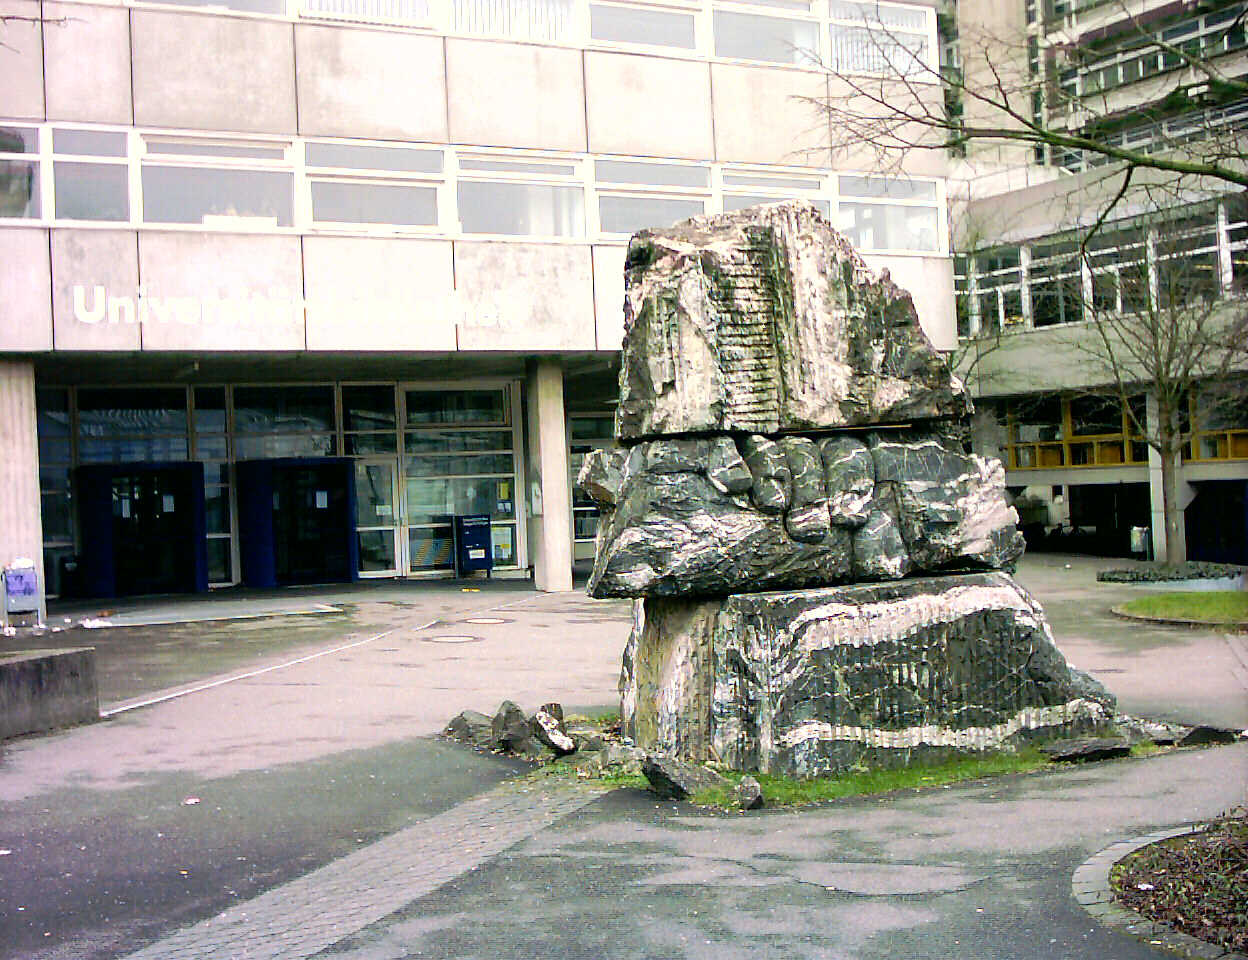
(1198, 883)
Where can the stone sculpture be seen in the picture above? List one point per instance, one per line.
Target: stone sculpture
(824, 571)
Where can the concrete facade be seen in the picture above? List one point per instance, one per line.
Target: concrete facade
(221, 199)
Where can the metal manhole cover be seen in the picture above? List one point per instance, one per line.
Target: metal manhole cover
(486, 620)
(452, 638)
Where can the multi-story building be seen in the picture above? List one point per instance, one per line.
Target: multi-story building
(289, 283)
(1032, 294)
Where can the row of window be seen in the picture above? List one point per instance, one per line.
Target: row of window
(65, 174)
(859, 36)
(1134, 266)
(1087, 431)
(1203, 36)
(1155, 137)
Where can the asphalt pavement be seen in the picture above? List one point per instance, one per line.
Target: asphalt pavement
(271, 787)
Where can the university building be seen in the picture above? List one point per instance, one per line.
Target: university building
(1028, 288)
(289, 284)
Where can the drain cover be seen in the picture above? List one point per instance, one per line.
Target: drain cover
(452, 638)
(486, 620)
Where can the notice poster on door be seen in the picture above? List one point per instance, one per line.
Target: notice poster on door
(322, 499)
(166, 503)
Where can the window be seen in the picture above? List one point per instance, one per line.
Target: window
(1187, 267)
(367, 11)
(962, 295)
(747, 36)
(294, 421)
(518, 19)
(117, 425)
(242, 185)
(1035, 433)
(250, 6)
(634, 195)
(211, 448)
(368, 420)
(749, 188)
(1055, 281)
(1117, 257)
(408, 196)
(658, 174)
(458, 459)
(664, 28)
(358, 201)
(625, 214)
(1000, 280)
(910, 220)
(19, 172)
(1237, 237)
(517, 205)
(869, 37)
(95, 184)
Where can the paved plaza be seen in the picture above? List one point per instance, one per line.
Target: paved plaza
(271, 787)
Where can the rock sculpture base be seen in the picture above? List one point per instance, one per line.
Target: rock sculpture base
(812, 682)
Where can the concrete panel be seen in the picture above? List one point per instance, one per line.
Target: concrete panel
(515, 95)
(88, 266)
(648, 106)
(221, 292)
(760, 116)
(929, 280)
(851, 154)
(21, 60)
(609, 296)
(21, 524)
(47, 689)
(88, 63)
(525, 296)
(207, 72)
(379, 294)
(370, 83)
(26, 314)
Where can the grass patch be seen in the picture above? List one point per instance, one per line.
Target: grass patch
(1207, 606)
(786, 792)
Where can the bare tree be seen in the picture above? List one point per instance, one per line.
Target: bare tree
(1158, 326)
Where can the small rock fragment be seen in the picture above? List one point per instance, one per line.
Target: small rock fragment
(1203, 735)
(509, 728)
(673, 779)
(548, 730)
(471, 727)
(749, 794)
(1084, 749)
(601, 476)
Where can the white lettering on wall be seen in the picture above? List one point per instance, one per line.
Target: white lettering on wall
(99, 298)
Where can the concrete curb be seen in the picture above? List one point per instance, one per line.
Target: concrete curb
(1090, 887)
(1238, 625)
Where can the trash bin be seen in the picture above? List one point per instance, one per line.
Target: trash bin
(21, 589)
(474, 548)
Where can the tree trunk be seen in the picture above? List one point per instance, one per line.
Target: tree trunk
(1172, 515)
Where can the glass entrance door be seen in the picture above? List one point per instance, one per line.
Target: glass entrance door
(377, 517)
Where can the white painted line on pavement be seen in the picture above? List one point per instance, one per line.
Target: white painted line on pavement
(125, 706)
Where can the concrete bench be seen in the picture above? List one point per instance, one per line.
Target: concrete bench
(46, 689)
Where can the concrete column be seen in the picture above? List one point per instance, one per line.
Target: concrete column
(21, 523)
(550, 504)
